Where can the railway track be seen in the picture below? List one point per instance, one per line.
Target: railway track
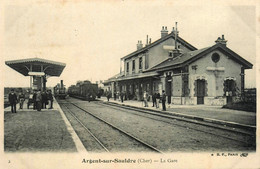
(101, 143)
(229, 133)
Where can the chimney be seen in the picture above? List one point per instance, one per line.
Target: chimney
(146, 40)
(139, 45)
(150, 41)
(61, 83)
(221, 40)
(176, 51)
(164, 31)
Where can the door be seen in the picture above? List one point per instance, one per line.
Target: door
(229, 90)
(200, 91)
(168, 88)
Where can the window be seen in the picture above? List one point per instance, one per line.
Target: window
(127, 67)
(170, 54)
(146, 61)
(141, 63)
(215, 57)
(133, 65)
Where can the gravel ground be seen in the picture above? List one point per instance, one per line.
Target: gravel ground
(180, 123)
(104, 133)
(36, 131)
(87, 140)
(164, 136)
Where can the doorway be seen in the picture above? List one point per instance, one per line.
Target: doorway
(200, 91)
(229, 87)
(168, 88)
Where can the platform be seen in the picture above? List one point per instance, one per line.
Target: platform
(30, 130)
(213, 113)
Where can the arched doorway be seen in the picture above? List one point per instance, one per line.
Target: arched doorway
(201, 84)
(229, 89)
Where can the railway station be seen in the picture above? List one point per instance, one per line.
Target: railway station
(182, 91)
(214, 75)
(80, 121)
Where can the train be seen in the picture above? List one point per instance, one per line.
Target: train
(84, 90)
(60, 91)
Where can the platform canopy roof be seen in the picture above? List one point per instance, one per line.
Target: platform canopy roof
(24, 66)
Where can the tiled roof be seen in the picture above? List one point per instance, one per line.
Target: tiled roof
(170, 35)
(178, 60)
(191, 56)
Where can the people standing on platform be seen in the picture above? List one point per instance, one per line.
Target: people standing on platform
(34, 100)
(145, 99)
(163, 100)
(114, 95)
(44, 100)
(39, 100)
(26, 98)
(154, 99)
(122, 97)
(157, 99)
(108, 95)
(50, 98)
(12, 100)
(89, 97)
(21, 97)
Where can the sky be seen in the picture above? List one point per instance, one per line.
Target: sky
(91, 37)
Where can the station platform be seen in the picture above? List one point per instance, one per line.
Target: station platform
(213, 114)
(47, 130)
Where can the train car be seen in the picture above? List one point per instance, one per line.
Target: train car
(84, 90)
(60, 91)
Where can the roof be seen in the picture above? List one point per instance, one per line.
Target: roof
(178, 60)
(170, 35)
(113, 78)
(192, 56)
(138, 76)
(50, 68)
(133, 76)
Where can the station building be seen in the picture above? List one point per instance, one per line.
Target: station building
(213, 75)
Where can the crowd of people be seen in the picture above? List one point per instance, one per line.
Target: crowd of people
(39, 99)
(156, 98)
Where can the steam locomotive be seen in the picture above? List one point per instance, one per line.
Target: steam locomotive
(60, 91)
(84, 90)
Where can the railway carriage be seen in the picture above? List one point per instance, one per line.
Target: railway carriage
(84, 90)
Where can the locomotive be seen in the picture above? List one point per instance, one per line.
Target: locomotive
(60, 91)
(83, 90)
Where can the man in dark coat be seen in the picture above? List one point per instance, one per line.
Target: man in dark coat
(13, 100)
(50, 97)
(89, 97)
(39, 100)
(154, 99)
(34, 100)
(122, 97)
(108, 95)
(163, 100)
(44, 99)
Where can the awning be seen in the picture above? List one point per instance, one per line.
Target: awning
(138, 76)
(24, 66)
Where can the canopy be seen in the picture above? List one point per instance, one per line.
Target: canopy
(24, 66)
